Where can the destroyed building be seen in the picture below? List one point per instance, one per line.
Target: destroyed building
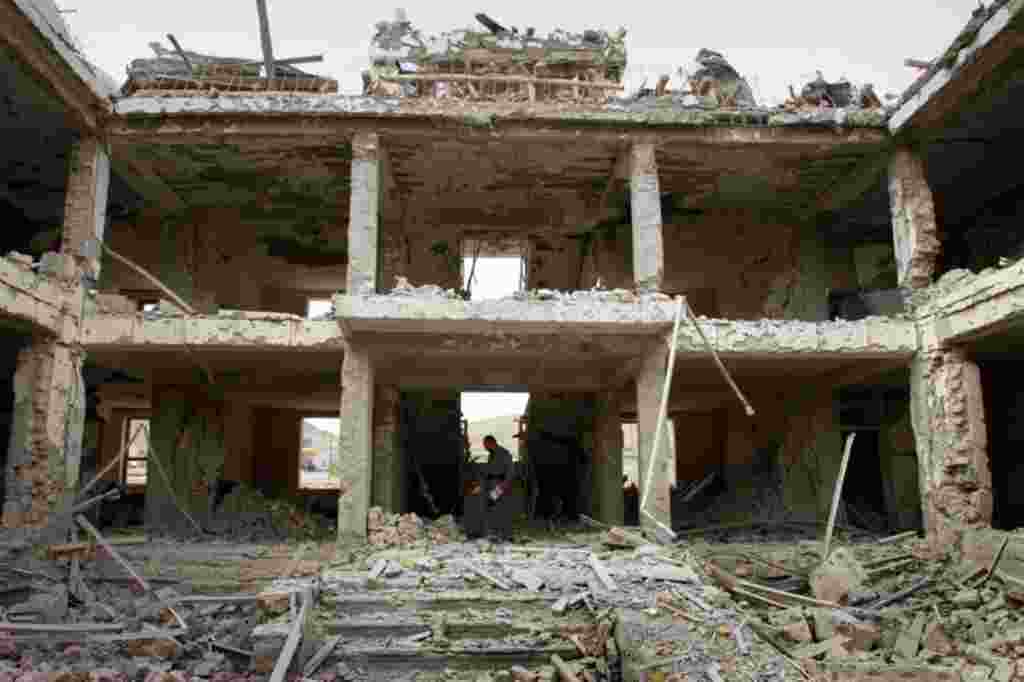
(854, 268)
(759, 283)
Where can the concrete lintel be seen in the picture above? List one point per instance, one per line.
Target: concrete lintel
(978, 306)
(253, 331)
(966, 70)
(36, 32)
(292, 119)
(439, 315)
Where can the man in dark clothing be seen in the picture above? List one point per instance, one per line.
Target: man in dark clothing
(499, 474)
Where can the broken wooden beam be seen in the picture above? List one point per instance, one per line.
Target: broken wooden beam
(291, 644)
(138, 580)
(181, 53)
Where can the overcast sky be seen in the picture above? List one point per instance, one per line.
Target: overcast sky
(773, 44)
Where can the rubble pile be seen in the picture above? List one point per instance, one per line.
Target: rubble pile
(203, 75)
(402, 530)
(496, 63)
(819, 93)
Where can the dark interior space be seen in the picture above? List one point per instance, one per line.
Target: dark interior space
(1000, 361)
(432, 443)
(35, 148)
(992, 232)
(12, 340)
(863, 490)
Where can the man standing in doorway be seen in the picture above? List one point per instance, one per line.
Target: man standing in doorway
(499, 474)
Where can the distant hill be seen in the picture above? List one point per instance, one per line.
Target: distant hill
(502, 428)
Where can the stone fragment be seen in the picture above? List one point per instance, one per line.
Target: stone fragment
(799, 632)
(837, 576)
(824, 628)
(153, 648)
(860, 636)
(521, 674)
(936, 639)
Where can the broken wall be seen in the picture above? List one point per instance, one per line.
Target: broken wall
(208, 256)
(733, 263)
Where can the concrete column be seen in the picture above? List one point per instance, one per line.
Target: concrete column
(364, 214)
(649, 385)
(607, 471)
(645, 207)
(388, 472)
(355, 443)
(913, 220)
(948, 417)
(46, 433)
(85, 209)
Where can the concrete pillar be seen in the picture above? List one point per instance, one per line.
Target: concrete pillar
(913, 220)
(649, 385)
(355, 443)
(388, 472)
(364, 214)
(607, 470)
(85, 208)
(948, 417)
(645, 207)
(45, 448)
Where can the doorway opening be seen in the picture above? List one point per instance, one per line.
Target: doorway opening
(318, 453)
(493, 269)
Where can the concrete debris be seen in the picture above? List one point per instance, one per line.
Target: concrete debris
(400, 530)
(718, 85)
(200, 74)
(499, 63)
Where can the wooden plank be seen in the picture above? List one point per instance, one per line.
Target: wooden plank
(291, 645)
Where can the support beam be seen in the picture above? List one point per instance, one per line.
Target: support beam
(913, 220)
(364, 215)
(355, 444)
(948, 416)
(645, 207)
(85, 211)
(606, 477)
(649, 386)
